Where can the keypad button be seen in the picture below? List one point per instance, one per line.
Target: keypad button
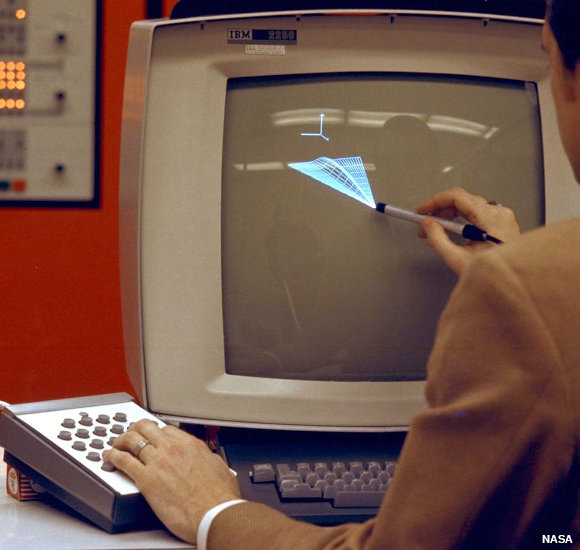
(101, 431)
(108, 467)
(103, 419)
(79, 446)
(83, 433)
(68, 423)
(93, 456)
(64, 435)
(117, 429)
(111, 440)
(97, 444)
(120, 417)
(86, 421)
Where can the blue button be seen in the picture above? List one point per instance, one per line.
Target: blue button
(4, 185)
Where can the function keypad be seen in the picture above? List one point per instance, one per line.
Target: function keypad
(84, 433)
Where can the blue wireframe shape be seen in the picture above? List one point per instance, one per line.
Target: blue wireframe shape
(347, 175)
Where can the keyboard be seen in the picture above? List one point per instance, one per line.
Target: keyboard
(344, 484)
(323, 478)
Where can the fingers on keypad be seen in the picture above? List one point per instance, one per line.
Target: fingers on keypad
(90, 436)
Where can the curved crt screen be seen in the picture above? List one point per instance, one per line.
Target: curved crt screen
(316, 284)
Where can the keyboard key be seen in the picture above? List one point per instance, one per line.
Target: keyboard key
(320, 469)
(321, 484)
(358, 499)
(311, 479)
(390, 468)
(284, 473)
(338, 468)
(384, 477)
(357, 484)
(348, 477)
(366, 477)
(301, 491)
(374, 468)
(303, 468)
(287, 484)
(340, 484)
(330, 492)
(330, 478)
(356, 468)
(262, 473)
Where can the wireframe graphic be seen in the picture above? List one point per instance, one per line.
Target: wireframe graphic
(320, 133)
(347, 175)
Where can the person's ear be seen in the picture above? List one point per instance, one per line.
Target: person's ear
(570, 82)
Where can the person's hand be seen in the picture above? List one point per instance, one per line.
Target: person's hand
(495, 219)
(178, 475)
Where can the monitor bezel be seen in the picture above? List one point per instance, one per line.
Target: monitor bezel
(155, 311)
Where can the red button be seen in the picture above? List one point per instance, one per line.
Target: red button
(19, 186)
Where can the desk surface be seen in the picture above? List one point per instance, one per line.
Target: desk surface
(37, 525)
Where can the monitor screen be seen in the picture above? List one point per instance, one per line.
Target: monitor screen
(317, 285)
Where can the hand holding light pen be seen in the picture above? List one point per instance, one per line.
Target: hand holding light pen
(466, 230)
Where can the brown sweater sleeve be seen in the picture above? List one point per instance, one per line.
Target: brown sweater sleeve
(481, 461)
(255, 526)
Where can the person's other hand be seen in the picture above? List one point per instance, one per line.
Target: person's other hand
(495, 219)
(178, 475)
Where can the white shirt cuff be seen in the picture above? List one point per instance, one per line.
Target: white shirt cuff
(205, 524)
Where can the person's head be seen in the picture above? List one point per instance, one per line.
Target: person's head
(561, 40)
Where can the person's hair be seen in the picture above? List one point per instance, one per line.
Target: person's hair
(564, 19)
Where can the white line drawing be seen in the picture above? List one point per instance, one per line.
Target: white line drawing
(347, 175)
(320, 132)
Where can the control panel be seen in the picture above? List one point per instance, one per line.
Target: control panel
(48, 89)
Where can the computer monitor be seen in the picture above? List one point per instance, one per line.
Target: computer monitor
(256, 294)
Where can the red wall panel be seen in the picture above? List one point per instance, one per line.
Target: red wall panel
(60, 315)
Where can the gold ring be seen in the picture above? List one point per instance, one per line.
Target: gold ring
(140, 446)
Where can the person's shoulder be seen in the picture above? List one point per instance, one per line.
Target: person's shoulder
(549, 255)
(551, 245)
